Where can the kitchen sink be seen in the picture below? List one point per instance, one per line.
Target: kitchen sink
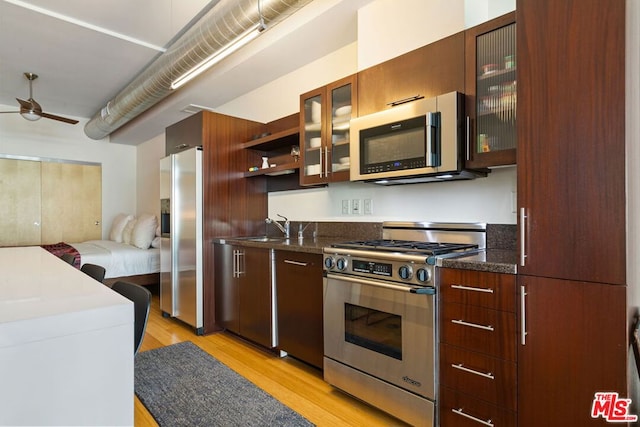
(261, 239)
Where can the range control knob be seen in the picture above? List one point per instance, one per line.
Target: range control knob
(329, 262)
(341, 264)
(405, 272)
(423, 275)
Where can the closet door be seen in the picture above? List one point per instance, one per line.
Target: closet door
(20, 206)
(71, 202)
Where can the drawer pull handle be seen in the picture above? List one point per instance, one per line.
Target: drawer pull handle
(473, 325)
(301, 264)
(473, 371)
(405, 100)
(471, 417)
(523, 316)
(471, 288)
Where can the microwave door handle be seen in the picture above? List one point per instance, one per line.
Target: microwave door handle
(433, 139)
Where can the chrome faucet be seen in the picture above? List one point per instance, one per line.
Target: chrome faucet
(287, 225)
(301, 230)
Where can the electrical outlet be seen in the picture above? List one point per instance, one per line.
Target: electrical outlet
(356, 207)
(514, 202)
(367, 206)
(345, 207)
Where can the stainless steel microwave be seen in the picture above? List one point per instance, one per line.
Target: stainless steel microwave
(419, 141)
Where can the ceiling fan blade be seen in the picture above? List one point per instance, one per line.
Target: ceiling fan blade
(59, 118)
(6, 112)
(27, 105)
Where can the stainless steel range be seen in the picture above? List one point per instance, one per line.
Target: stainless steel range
(380, 311)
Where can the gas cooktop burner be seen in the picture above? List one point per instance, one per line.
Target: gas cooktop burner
(406, 246)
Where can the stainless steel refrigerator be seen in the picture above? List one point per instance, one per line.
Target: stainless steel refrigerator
(181, 237)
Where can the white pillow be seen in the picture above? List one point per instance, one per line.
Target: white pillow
(127, 233)
(118, 225)
(155, 243)
(144, 231)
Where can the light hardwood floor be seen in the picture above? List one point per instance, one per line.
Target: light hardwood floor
(292, 382)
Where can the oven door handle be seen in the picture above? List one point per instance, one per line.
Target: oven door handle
(420, 290)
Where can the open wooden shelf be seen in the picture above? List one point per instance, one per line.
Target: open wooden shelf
(283, 169)
(289, 136)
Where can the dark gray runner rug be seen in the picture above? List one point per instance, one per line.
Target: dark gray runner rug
(182, 385)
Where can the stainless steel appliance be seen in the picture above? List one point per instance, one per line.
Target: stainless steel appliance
(380, 311)
(181, 242)
(419, 141)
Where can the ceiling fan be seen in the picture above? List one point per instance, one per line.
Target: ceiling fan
(31, 110)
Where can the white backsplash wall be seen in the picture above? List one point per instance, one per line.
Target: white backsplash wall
(488, 200)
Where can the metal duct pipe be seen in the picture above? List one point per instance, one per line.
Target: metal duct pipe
(221, 25)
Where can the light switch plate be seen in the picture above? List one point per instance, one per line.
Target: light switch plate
(367, 206)
(345, 207)
(356, 207)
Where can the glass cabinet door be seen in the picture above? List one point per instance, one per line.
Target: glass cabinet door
(325, 115)
(492, 133)
(312, 149)
(341, 95)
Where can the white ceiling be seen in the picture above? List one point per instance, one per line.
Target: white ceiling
(80, 69)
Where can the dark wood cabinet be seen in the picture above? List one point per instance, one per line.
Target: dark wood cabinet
(244, 292)
(478, 348)
(571, 200)
(324, 131)
(299, 301)
(571, 139)
(232, 205)
(184, 134)
(490, 89)
(429, 71)
(575, 345)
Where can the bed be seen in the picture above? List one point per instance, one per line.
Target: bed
(132, 253)
(122, 261)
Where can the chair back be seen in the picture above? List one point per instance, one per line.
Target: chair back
(69, 258)
(141, 298)
(95, 271)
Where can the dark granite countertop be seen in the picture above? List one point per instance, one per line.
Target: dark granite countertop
(490, 260)
(308, 244)
(502, 259)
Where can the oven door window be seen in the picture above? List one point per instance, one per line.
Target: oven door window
(374, 330)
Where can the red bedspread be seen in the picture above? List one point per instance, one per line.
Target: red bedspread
(62, 248)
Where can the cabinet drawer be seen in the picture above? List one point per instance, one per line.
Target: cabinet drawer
(299, 305)
(460, 410)
(491, 290)
(479, 329)
(489, 378)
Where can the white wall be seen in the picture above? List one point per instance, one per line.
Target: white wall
(281, 97)
(633, 181)
(485, 200)
(479, 11)
(55, 140)
(386, 30)
(148, 175)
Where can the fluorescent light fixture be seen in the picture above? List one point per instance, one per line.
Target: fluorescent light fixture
(218, 56)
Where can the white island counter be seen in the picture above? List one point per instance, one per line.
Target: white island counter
(66, 344)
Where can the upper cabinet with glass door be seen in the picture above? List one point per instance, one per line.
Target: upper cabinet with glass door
(325, 114)
(491, 93)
